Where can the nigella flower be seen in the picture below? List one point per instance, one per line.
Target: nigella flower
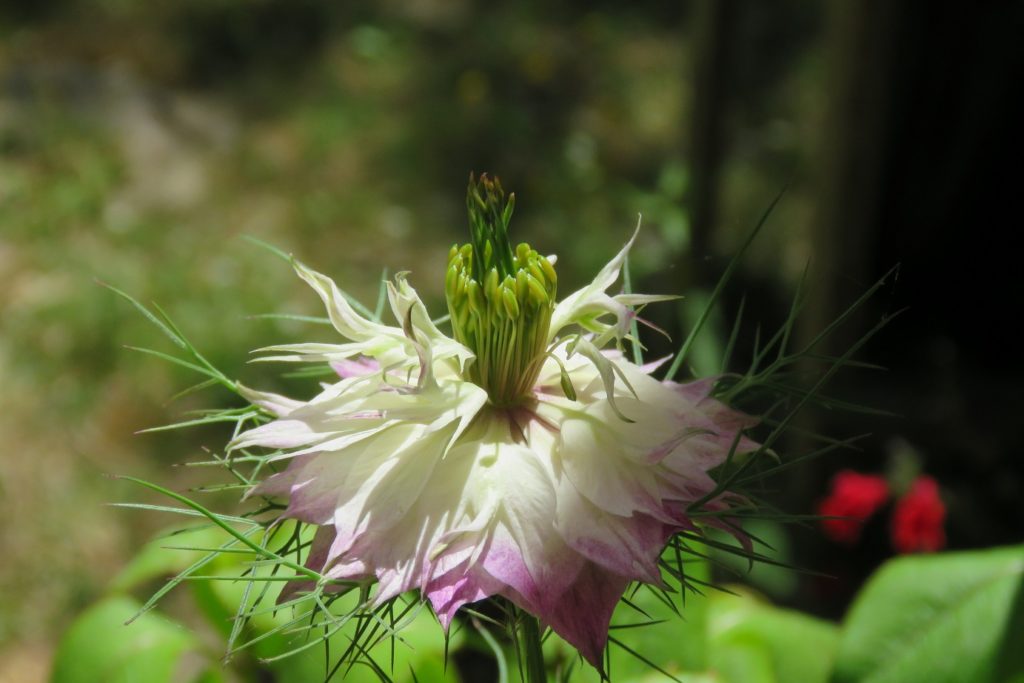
(523, 457)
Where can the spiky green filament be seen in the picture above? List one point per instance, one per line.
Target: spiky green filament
(500, 300)
(489, 216)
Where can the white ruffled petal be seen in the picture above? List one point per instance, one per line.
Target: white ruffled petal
(586, 304)
(274, 403)
(406, 303)
(345, 319)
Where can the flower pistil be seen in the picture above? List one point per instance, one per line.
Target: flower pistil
(500, 300)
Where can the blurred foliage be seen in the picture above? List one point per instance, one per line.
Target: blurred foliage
(140, 141)
(730, 637)
(958, 616)
(421, 646)
(919, 619)
(99, 648)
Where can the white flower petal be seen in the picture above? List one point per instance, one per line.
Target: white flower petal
(590, 301)
(627, 545)
(275, 403)
(281, 433)
(345, 319)
(387, 351)
(403, 299)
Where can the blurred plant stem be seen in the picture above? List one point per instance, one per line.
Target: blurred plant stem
(530, 644)
(712, 49)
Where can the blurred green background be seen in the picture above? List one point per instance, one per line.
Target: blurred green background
(140, 141)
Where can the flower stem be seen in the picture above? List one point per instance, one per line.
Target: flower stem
(529, 634)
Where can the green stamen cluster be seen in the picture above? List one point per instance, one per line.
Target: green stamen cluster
(500, 299)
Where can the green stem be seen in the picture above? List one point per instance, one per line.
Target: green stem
(529, 634)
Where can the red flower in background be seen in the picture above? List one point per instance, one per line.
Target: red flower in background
(856, 497)
(917, 520)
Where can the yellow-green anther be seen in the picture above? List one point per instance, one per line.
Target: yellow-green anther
(537, 293)
(522, 288)
(549, 270)
(538, 272)
(491, 284)
(508, 298)
(523, 251)
(451, 278)
(453, 251)
(475, 298)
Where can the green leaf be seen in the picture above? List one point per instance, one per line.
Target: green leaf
(950, 617)
(743, 657)
(100, 647)
(157, 559)
(752, 641)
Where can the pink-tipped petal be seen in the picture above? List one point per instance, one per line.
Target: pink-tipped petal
(357, 367)
(583, 614)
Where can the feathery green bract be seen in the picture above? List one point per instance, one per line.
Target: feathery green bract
(770, 380)
(319, 614)
(719, 288)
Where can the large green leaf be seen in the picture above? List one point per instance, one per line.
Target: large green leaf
(750, 640)
(951, 617)
(99, 646)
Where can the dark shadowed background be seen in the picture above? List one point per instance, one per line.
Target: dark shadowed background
(140, 141)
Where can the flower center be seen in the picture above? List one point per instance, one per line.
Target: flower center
(500, 299)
